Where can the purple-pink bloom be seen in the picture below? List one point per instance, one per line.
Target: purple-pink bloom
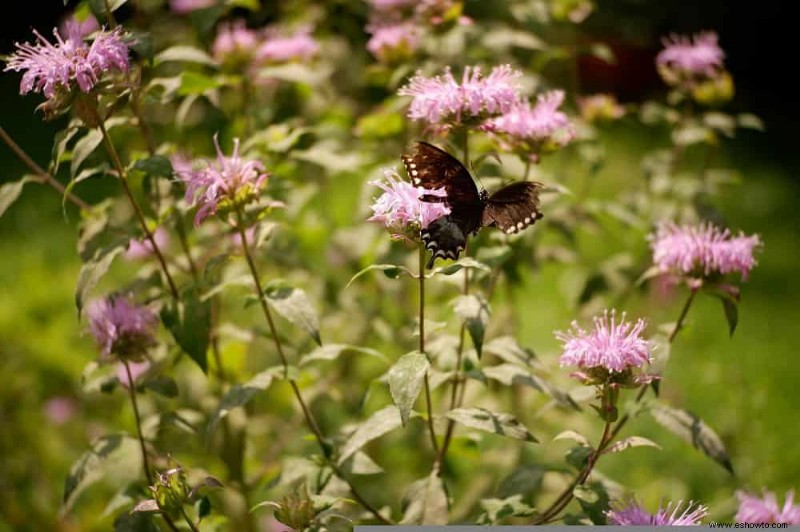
(72, 25)
(633, 513)
(142, 248)
(396, 40)
(184, 7)
(50, 67)
(232, 178)
(753, 509)
(702, 250)
(280, 48)
(121, 327)
(442, 101)
(400, 208)
(534, 124)
(699, 55)
(234, 42)
(613, 345)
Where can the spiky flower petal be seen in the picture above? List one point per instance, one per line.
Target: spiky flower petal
(400, 207)
(633, 513)
(753, 509)
(121, 327)
(695, 56)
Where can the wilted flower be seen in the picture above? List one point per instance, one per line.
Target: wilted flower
(766, 510)
(393, 42)
(533, 128)
(401, 209)
(142, 248)
(232, 181)
(234, 44)
(702, 250)
(184, 7)
(690, 57)
(613, 346)
(633, 513)
(280, 48)
(81, 27)
(441, 101)
(600, 107)
(50, 68)
(121, 327)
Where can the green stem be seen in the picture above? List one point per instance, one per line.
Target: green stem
(428, 402)
(109, 15)
(132, 392)
(682, 317)
(123, 178)
(40, 172)
(309, 417)
(189, 521)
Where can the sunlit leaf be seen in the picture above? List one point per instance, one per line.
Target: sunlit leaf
(496, 423)
(84, 148)
(426, 502)
(495, 510)
(240, 395)
(378, 424)
(474, 312)
(93, 270)
(9, 192)
(392, 271)
(184, 53)
(627, 443)
(405, 382)
(189, 321)
(329, 352)
(294, 305)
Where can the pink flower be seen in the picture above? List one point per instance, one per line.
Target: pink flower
(69, 62)
(400, 208)
(393, 41)
(696, 56)
(702, 250)
(184, 7)
(766, 509)
(279, 48)
(633, 513)
(613, 345)
(234, 42)
(142, 248)
(122, 327)
(442, 101)
(137, 370)
(60, 409)
(232, 178)
(534, 125)
(81, 28)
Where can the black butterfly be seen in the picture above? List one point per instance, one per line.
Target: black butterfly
(511, 209)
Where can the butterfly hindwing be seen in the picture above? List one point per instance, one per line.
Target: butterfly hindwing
(443, 238)
(514, 207)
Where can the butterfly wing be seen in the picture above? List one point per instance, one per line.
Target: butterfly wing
(444, 238)
(514, 207)
(430, 167)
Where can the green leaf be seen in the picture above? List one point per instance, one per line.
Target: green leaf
(330, 352)
(378, 424)
(574, 436)
(405, 382)
(524, 480)
(98, 7)
(203, 508)
(84, 148)
(294, 73)
(147, 505)
(474, 311)
(240, 395)
(92, 271)
(9, 192)
(594, 501)
(649, 273)
(694, 430)
(466, 262)
(508, 349)
(185, 54)
(627, 443)
(91, 466)
(294, 305)
(193, 83)
(163, 385)
(497, 509)
(750, 121)
(157, 165)
(252, 5)
(136, 522)
(391, 271)
(189, 321)
(361, 464)
(509, 374)
(731, 310)
(496, 423)
(426, 502)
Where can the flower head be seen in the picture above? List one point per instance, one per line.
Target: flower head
(441, 101)
(121, 327)
(281, 48)
(613, 346)
(697, 56)
(393, 42)
(401, 209)
(633, 513)
(69, 62)
(532, 127)
(766, 510)
(232, 181)
(234, 43)
(702, 250)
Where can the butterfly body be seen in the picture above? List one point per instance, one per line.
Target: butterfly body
(510, 209)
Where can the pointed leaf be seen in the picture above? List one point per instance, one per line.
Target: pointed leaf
(333, 351)
(731, 314)
(185, 54)
(378, 424)
(92, 271)
(294, 305)
(189, 321)
(497, 509)
(84, 148)
(627, 443)
(496, 423)
(426, 502)
(466, 262)
(594, 501)
(392, 271)
(240, 395)
(9, 192)
(574, 436)
(163, 385)
(474, 311)
(136, 522)
(405, 382)
(147, 505)
(692, 429)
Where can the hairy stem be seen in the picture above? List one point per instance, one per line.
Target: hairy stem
(41, 172)
(135, 404)
(428, 403)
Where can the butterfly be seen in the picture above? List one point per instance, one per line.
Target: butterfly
(511, 209)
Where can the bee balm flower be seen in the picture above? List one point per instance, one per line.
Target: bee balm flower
(633, 513)
(766, 510)
(401, 209)
(121, 327)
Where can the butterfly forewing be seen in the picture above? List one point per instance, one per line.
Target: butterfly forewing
(514, 207)
(430, 167)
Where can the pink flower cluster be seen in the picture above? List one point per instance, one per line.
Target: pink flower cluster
(766, 509)
(633, 513)
(699, 55)
(122, 327)
(613, 345)
(400, 207)
(533, 125)
(702, 250)
(234, 40)
(232, 178)
(280, 47)
(70, 61)
(242, 48)
(391, 41)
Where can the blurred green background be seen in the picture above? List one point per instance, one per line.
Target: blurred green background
(745, 386)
